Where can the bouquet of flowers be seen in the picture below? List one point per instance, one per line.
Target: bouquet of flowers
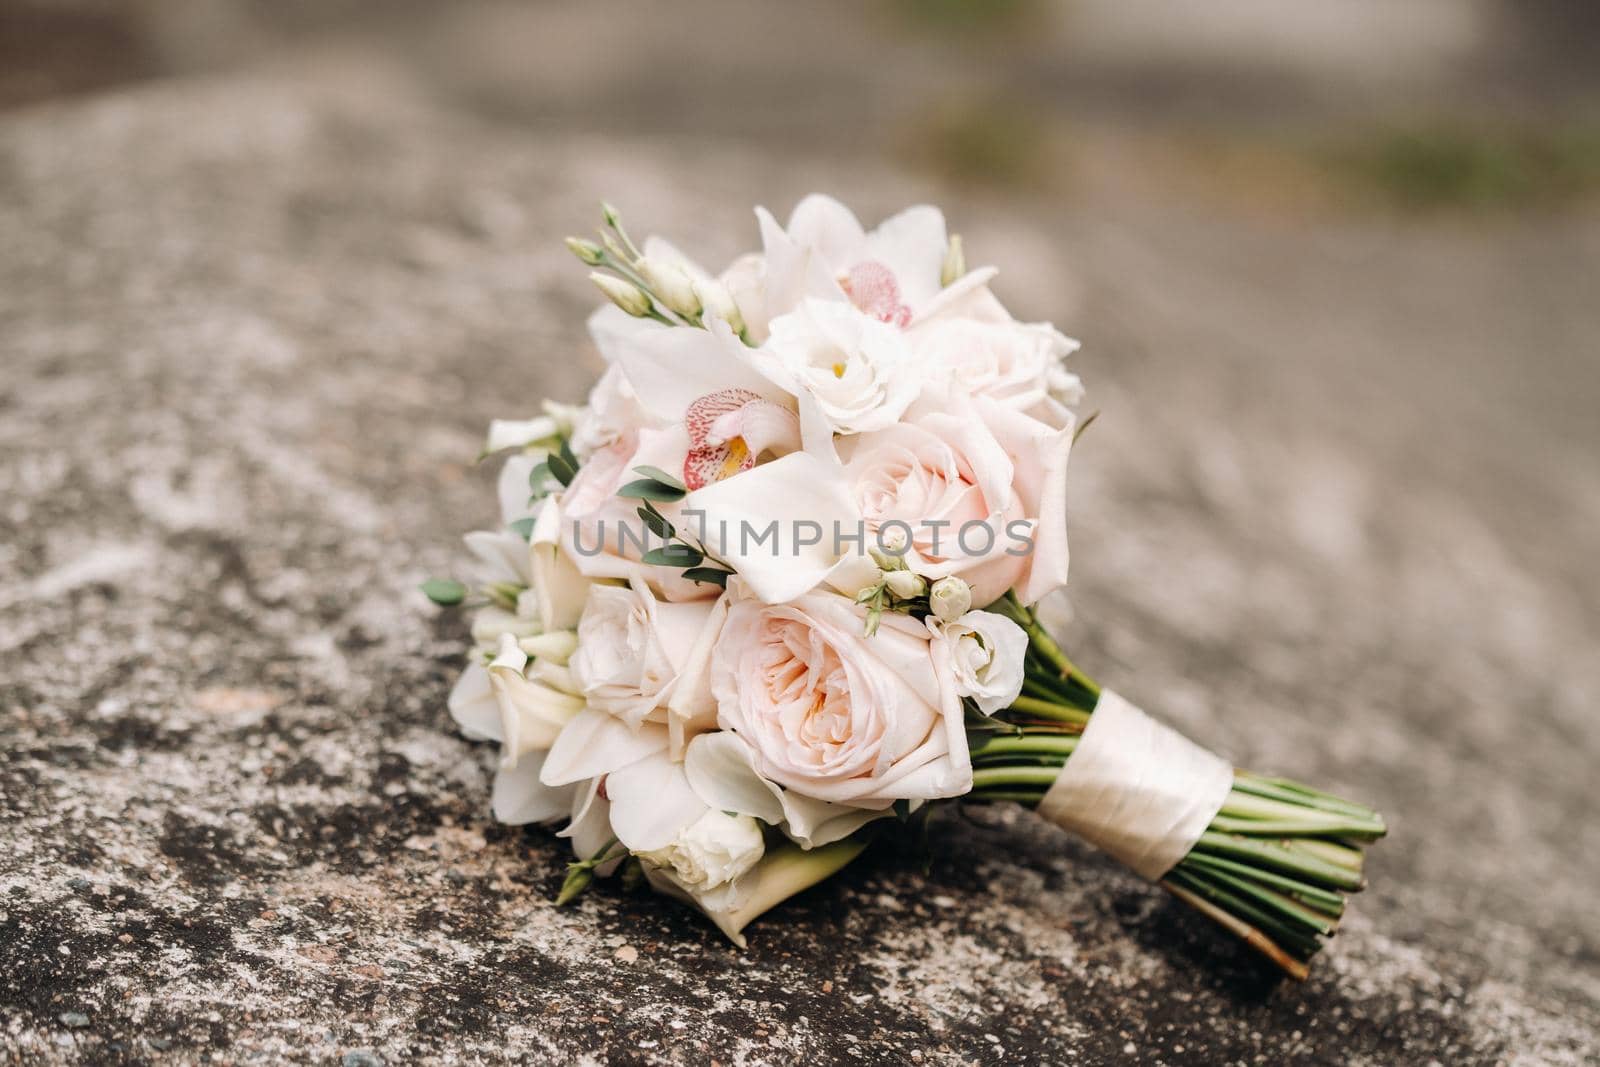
(769, 595)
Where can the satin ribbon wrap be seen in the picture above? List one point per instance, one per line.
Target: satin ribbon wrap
(1137, 789)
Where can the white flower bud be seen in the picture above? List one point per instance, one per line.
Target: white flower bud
(905, 585)
(713, 850)
(625, 295)
(955, 261)
(587, 251)
(671, 284)
(718, 303)
(950, 598)
(893, 540)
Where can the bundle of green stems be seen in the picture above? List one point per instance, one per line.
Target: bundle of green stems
(1273, 867)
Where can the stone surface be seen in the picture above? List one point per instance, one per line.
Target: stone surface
(1337, 521)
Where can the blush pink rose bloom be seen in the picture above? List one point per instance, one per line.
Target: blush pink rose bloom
(837, 716)
(977, 490)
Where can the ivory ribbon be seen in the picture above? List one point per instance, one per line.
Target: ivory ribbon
(1137, 789)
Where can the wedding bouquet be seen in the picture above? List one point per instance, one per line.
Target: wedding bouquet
(769, 594)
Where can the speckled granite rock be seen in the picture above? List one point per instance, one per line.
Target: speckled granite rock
(1337, 521)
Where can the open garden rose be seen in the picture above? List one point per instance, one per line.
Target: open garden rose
(945, 482)
(832, 714)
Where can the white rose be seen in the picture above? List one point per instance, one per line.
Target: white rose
(944, 479)
(988, 653)
(1015, 363)
(950, 598)
(833, 715)
(632, 649)
(855, 369)
(712, 851)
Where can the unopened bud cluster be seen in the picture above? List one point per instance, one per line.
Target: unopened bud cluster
(657, 286)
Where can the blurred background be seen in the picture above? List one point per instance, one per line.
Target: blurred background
(1337, 271)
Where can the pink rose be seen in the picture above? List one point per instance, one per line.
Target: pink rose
(837, 716)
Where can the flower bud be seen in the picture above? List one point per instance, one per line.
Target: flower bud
(893, 540)
(625, 295)
(950, 598)
(718, 303)
(905, 585)
(587, 251)
(955, 261)
(672, 285)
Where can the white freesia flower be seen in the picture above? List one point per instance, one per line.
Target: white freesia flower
(632, 648)
(559, 588)
(856, 369)
(532, 713)
(988, 653)
(498, 703)
(713, 850)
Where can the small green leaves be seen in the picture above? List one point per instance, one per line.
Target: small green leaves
(673, 556)
(649, 489)
(523, 528)
(656, 522)
(656, 474)
(561, 470)
(710, 575)
(562, 464)
(446, 592)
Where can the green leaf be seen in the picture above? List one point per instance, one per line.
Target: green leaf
(446, 592)
(673, 556)
(656, 474)
(523, 528)
(565, 452)
(710, 575)
(645, 489)
(1084, 425)
(538, 476)
(562, 469)
(657, 522)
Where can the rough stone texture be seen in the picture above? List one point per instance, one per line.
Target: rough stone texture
(1337, 520)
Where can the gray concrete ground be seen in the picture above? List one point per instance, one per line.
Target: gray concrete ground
(1336, 520)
